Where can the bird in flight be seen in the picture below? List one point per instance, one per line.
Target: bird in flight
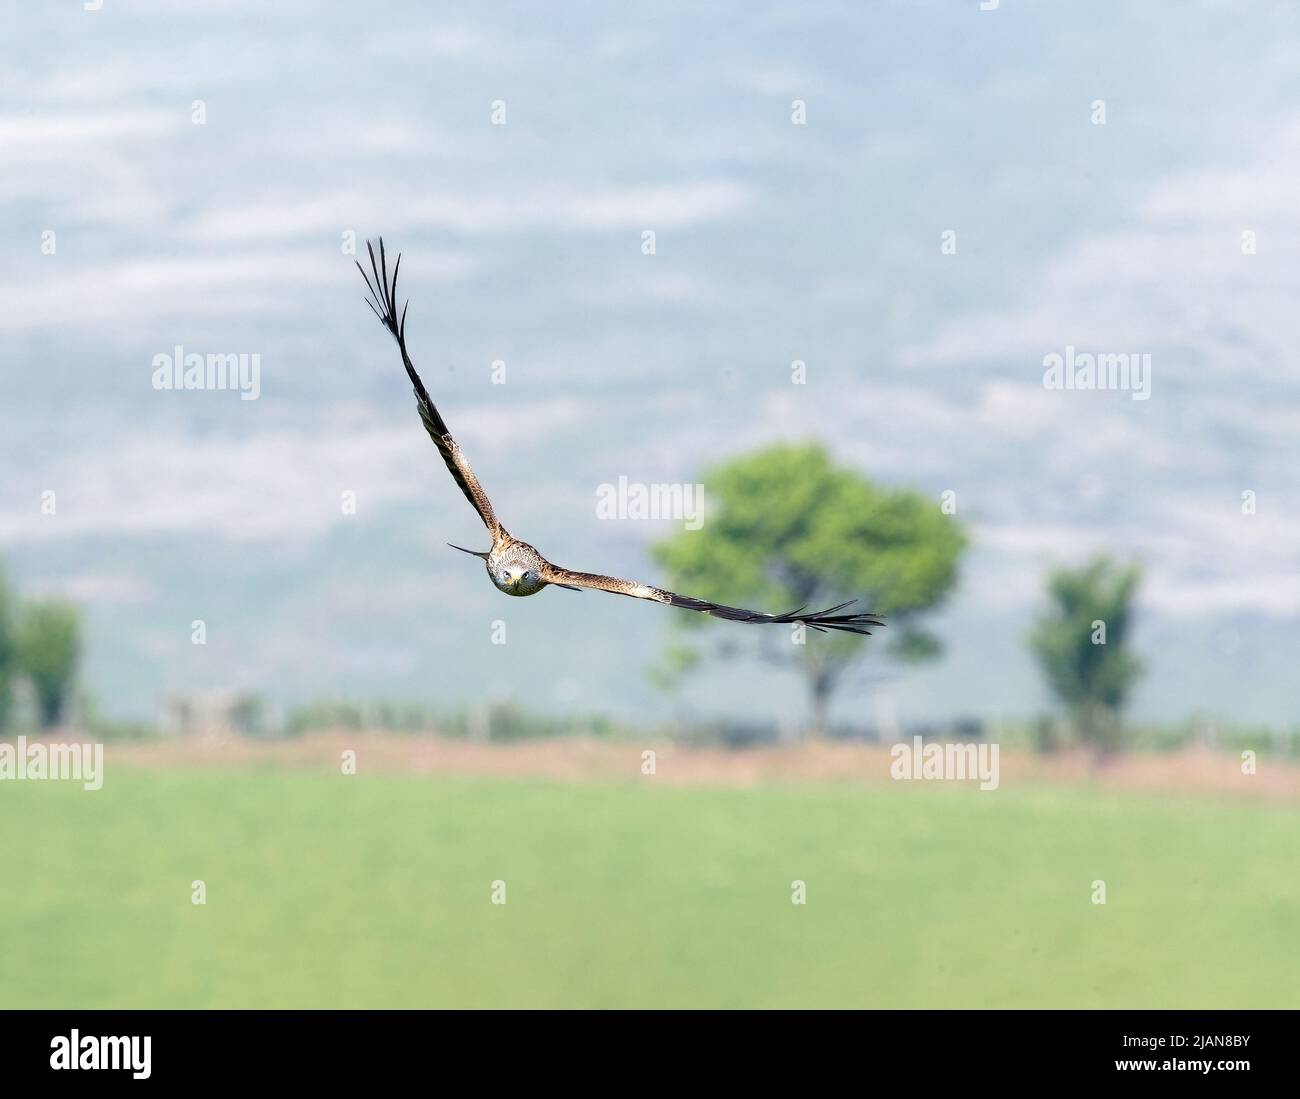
(515, 567)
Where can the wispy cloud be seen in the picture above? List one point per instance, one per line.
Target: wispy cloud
(284, 482)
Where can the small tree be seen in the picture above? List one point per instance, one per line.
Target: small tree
(787, 528)
(48, 645)
(6, 653)
(1081, 642)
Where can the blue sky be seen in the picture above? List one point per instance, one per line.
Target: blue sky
(774, 242)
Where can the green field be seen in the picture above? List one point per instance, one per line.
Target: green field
(374, 891)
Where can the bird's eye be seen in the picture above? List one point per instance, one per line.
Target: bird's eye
(529, 575)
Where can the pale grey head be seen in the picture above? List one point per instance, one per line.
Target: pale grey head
(516, 569)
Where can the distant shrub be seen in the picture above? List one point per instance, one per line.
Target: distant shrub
(317, 716)
(47, 644)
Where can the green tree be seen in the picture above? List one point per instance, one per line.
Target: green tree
(1082, 640)
(48, 646)
(788, 528)
(6, 653)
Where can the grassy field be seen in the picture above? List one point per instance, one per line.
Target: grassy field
(374, 891)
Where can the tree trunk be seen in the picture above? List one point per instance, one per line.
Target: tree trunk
(821, 685)
(1098, 729)
(49, 704)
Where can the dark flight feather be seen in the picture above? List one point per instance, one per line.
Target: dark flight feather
(829, 619)
(383, 303)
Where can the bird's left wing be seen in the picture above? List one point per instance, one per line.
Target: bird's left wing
(829, 619)
(383, 303)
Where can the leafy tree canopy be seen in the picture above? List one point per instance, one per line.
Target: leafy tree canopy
(785, 527)
(48, 644)
(1082, 640)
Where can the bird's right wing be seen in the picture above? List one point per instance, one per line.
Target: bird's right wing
(829, 619)
(383, 303)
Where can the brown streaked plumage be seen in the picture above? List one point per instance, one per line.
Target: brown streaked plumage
(517, 568)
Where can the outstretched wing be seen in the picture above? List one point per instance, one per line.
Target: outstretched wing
(383, 303)
(829, 619)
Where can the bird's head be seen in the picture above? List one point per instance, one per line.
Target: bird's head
(517, 579)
